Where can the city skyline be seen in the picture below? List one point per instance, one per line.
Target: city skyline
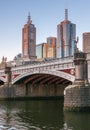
(46, 15)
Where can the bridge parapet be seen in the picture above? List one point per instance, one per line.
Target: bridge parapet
(51, 67)
(57, 64)
(2, 72)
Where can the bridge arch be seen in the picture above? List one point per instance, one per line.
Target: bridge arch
(55, 73)
(2, 79)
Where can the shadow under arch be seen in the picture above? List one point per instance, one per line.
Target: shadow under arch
(55, 73)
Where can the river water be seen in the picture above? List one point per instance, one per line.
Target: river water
(40, 115)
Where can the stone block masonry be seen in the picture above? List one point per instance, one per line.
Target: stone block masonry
(36, 91)
(77, 98)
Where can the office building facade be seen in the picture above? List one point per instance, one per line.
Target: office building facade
(86, 42)
(47, 50)
(66, 35)
(29, 40)
(39, 51)
(51, 47)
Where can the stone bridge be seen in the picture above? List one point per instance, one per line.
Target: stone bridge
(50, 79)
(55, 71)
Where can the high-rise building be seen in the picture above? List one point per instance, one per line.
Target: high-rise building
(86, 42)
(66, 35)
(41, 50)
(47, 50)
(51, 47)
(29, 40)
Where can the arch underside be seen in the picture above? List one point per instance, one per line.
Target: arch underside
(45, 77)
(2, 80)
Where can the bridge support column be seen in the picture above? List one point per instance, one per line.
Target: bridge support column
(8, 76)
(78, 94)
(80, 68)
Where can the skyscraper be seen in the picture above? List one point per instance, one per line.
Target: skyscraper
(86, 42)
(47, 50)
(51, 47)
(66, 35)
(29, 40)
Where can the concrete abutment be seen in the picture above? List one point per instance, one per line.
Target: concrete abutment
(77, 96)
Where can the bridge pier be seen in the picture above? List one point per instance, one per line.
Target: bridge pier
(43, 90)
(8, 76)
(77, 96)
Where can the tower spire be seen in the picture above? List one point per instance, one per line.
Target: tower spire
(66, 14)
(29, 18)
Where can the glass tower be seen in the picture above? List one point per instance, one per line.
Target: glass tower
(66, 35)
(39, 51)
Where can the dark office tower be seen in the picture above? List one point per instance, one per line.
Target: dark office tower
(29, 40)
(66, 34)
(86, 42)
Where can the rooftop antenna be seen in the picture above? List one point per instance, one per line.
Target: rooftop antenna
(66, 14)
(29, 18)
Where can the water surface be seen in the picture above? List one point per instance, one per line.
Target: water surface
(40, 115)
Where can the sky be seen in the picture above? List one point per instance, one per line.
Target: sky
(45, 15)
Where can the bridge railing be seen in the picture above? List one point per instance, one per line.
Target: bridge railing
(56, 64)
(52, 64)
(2, 72)
(49, 61)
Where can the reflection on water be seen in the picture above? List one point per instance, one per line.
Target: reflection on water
(65, 127)
(40, 115)
(31, 115)
(79, 121)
